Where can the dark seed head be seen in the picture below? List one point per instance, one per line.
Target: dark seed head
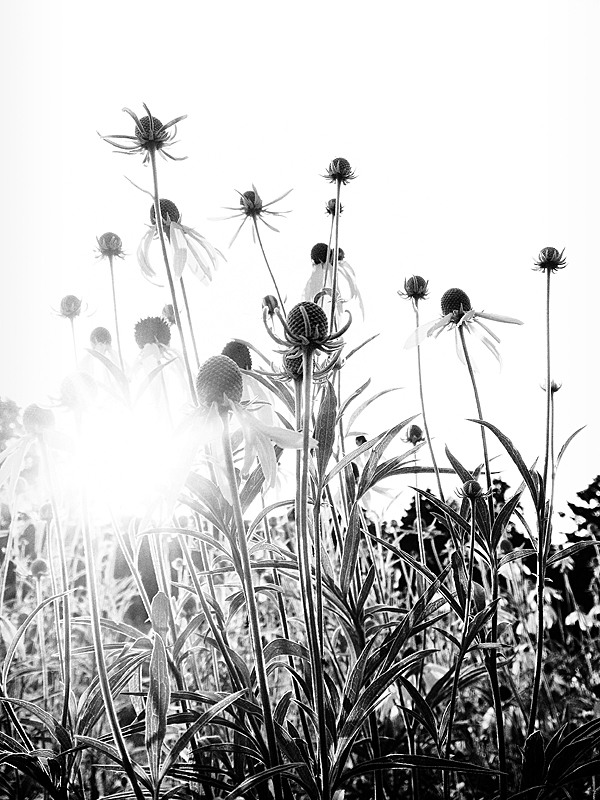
(415, 288)
(292, 366)
(455, 300)
(340, 170)
(147, 130)
(38, 568)
(152, 330)
(472, 490)
(100, 336)
(550, 259)
(109, 244)
(36, 420)
(308, 321)
(168, 212)
(238, 352)
(319, 254)
(70, 306)
(251, 202)
(219, 376)
(415, 435)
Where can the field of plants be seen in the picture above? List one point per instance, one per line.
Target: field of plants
(190, 611)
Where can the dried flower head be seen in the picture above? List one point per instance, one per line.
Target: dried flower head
(252, 207)
(100, 336)
(318, 254)
(549, 260)
(339, 170)
(219, 377)
(78, 391)
(330, 207)
(150, 136)
(39, 568)
(168, 212)
(308, 322)
(152, 330)
(455, 302)
(70, 307)
(240, 353)
(110, 246)
(36, 420)
(415, 288)
(292, 366)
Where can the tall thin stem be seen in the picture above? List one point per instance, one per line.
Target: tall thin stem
(254, 220)
(336, 247)
(161, 236)
(72, 321)
(114, 295)
(189, 316)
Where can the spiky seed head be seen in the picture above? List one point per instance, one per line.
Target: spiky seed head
(152, 330)
(238, 352)
(150, 132)
(271, 303)
(36, 420)
(340, 170)
(415, 435)
(100, 336)
(472, 490)
(415, 288)
(70, 306)
(550, 259)
(308, 321)
(168, 313)
(109, 244)
(219, 376)
(168, 212)
(292, 366)
(78, 391)
(39, 568)
(455, 300)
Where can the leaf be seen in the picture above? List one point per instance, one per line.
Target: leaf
(350, 550)
(363, 406)
(567, 443)
(503, 519)
(284, 647)
(157, 706)
(352, 397)
(569, 551)
(160, 614)
(149, 378)
(118, 374)
(514, 555)
(371, 465)
(325, 428)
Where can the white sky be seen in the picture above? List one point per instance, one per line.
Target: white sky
(473, 128)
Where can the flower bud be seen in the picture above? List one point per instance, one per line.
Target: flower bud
(219, 376)
(549, 259)
(39, 568)
(70, 306)
(36, 420)
(472, 490)
(152, 330)
(168, 313)
(100, 336)
(318, 254)
(415, 435)
(109, 244)
(340, 170)
(330, 207)
(415, 288)
(292, 366)
(271, 303)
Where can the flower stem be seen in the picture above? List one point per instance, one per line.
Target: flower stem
(335, 255)
(268, 266)
(261, 673)
(189, 316)
(72, 321)
(161, 236)
(114, 295)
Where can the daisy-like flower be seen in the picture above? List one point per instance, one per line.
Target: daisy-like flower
(549, 260)
(150, 135)
(321, 257)
(189, 247)
(457, 312)
(339, 170)
(252, 207)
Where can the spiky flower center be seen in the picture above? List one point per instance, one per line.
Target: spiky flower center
(219, 376)
(152, 330)
(455, 301)
(109, 244)
(168, 212)
(238, 352)
(308, 321)
(70, 306)
(150, 132)
(36, 419)
(100, 336)
(550, 259)
(472, 490)
(319, 254)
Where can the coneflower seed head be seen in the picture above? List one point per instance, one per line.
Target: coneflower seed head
(36, 419)
(152, 330)
(238, 352)
(100, 336)
(38, 568)
(70, 306)
(168, 212)
(318, 254)
(455, 300)
(550, 259)
(340, 170)
(219, 376)
(109, 244)
(308, 320)
(146, 131)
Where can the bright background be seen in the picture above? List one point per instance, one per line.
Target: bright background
(473, 128)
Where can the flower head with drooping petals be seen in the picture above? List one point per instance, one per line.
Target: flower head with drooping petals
(150, 135)
(456, 313)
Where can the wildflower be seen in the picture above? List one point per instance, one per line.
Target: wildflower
(307, 327)
(240, 353)
(321, 257)
(415, 289)
(471, 490)
(189, 247)
(110, 245)
(457, 312)
(252, 207)
(152, 330)
(549, 260)
(38, 568)
(70, 307)
(150, 136)
(339, 170)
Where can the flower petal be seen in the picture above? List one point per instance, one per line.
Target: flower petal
(180, 253)
(142, 254)
(498, 318)
(422, 333)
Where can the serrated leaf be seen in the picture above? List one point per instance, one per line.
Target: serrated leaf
(157, 707)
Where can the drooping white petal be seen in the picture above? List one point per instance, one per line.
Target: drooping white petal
(350, 277)
(498, 318)
(314, 284)
(199, 264)
(485, 328)
(180, 252)
(418, 336)
(487, 342)
(143, 254)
